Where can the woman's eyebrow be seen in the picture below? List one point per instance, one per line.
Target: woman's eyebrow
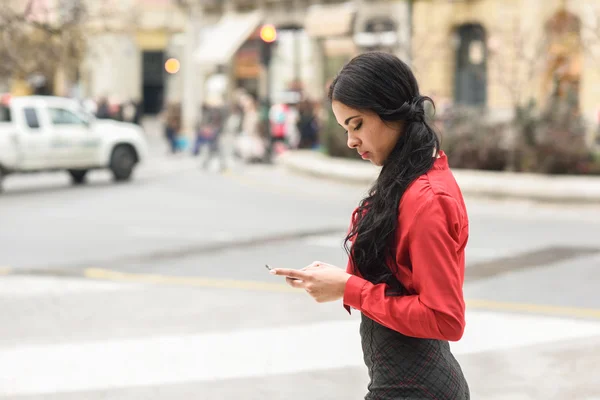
(350, 118)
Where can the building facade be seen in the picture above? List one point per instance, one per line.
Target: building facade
(493, 54)
(501, 53)
(315, 38)
(126, 58)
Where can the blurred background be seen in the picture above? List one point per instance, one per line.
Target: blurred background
(155, 154)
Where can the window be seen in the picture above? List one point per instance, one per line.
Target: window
(4, 114)
(60, 116)
(470, 73)
(31, 118)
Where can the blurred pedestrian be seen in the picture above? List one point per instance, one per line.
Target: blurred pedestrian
(307, 124)
(102, 109)
(208, 131)
(231, 132)
(129, 111)
(115, 108)
(406, 240)
(279, 118)
(171, 117)
(251, 144)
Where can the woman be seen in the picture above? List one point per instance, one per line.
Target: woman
(406, 266)
(251, 144)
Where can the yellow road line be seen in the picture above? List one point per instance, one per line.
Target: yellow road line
(96, 273)
(487, 305)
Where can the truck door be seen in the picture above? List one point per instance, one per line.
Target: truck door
(9, 150)
(34, 141)
(75, 136)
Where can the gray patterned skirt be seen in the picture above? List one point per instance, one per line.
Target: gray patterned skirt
(407, 368)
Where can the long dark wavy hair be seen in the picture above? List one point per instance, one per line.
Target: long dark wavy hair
(382, 83)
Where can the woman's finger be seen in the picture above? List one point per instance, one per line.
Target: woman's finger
(291, 273)
(295, 283)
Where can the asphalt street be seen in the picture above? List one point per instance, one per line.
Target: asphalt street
(157, 289)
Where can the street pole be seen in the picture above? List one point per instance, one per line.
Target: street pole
(268, 36)
(267, 107)
(192, 82)
(267, 111)
(297, 57)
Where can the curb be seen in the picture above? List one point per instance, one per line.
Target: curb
(545, 188)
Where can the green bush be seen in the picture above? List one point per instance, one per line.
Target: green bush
(553, 141)
(549, 142)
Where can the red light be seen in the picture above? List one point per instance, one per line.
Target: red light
(268, 33)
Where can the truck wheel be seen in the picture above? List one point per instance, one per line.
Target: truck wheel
(78, 176)
(122, 161)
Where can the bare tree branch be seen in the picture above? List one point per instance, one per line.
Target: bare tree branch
(38, 41)
(29, 7)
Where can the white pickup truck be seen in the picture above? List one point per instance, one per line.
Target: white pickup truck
(45, 133)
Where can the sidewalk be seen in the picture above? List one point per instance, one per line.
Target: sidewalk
(160, 354)
(580, 189)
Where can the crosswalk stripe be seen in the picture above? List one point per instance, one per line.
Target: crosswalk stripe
(111, 364)
(24, 286)
(104, 274)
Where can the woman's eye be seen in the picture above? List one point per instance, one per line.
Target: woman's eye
(357, 127)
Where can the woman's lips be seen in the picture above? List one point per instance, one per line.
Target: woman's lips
(364, 155)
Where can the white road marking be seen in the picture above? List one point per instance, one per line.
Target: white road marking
(25, 286)
(102, 365)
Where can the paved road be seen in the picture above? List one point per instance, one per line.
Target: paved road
(157, 290)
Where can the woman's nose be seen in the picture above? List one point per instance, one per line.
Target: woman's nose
(353, 141)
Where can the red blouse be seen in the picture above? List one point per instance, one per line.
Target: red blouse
(430, 259)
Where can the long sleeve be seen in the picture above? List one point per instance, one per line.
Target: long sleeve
(436, 240)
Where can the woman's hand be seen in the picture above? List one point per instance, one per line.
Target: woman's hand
(324, 282)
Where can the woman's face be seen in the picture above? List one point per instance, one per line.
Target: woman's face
(373, 138)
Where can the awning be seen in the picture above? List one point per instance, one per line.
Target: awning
(329, 20)
(219, 42)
